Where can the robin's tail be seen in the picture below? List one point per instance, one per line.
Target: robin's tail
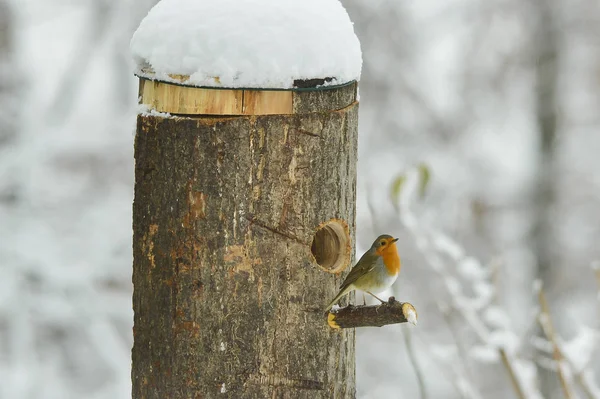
(342, 292)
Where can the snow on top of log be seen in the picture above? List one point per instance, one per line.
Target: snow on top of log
(248, 43)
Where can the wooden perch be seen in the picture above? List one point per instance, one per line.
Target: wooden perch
(390, 312)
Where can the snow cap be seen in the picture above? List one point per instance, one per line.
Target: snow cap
(247, 43)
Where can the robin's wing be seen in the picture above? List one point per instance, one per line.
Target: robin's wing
(365, 264)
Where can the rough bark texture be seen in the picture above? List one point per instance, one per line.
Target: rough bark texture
(391, 312)
(227, 296)
(323, 100)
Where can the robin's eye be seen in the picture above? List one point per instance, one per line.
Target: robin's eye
(382, 243)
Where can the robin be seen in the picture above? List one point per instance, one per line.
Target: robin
(376, 270)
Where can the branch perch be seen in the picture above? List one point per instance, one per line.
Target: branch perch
(390, 312)
(548, 329)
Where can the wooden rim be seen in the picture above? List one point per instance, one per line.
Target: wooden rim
(180, 99)
(187, 100)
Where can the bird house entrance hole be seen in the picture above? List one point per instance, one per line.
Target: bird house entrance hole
(331, 246)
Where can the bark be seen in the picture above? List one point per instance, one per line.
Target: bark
(228, 296)
(391, 312)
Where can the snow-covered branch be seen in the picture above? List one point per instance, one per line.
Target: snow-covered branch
(569, 359)
(488, 321)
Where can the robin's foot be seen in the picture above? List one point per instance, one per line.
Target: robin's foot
(376, 297)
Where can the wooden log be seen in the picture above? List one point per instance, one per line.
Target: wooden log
(391, 312)
(242, 227)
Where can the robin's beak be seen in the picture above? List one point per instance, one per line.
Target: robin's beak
(394, 240)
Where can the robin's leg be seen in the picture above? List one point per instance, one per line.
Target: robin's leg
(376, 297)
(364, 299)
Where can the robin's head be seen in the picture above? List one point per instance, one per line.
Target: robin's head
(384, 244)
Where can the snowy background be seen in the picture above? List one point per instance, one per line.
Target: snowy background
(498, 98)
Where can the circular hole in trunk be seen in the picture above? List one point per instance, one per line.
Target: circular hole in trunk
(331, 246)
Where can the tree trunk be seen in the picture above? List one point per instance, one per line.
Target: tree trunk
(230, 217)
(542, 235)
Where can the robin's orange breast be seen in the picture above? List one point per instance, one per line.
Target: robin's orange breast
(391, 260)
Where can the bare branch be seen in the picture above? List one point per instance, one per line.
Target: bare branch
(410, 350)
(391, 312)
(512, 374)
(596, 269)
(447, 312)
(430, 252)
(583, 379)
(548, 328)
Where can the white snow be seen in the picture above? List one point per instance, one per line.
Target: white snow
(258, 43)
(223, 388)
(484, 291)
(466, 387)
(587, 376)
(444, 352)
(504, 339)
(541, 344)
(484, 354)
(471, 269)
(447, 245)
(454, 286)
(145, 110)
(496, 317)
(580, 349)
(537, 286)
(411, 317)
(527, 375)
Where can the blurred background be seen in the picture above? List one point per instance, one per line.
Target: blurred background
(478, 147)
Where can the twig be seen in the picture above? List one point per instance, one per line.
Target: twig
(596, 269)
(451, 373)
(413, 359)
(548, 328)
(512, 374)
(407, 337)
(391, 312)
(426, 246)
(73, 79)
(460, 349)
(585, 386)
(585, 378)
